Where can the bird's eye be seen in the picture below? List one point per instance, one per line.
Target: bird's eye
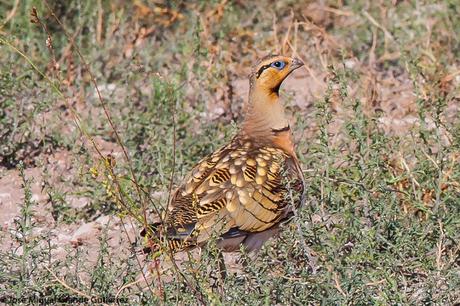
(278, 65)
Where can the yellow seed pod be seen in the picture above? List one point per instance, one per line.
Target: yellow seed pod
(94, 172)
(109, 161)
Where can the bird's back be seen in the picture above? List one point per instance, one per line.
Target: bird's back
(240, 194)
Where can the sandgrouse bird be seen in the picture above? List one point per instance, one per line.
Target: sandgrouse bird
(242, 192)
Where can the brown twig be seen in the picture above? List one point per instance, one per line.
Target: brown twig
(288, 33)
(337, 284)
(78, 292)
(10, 14)
(275, 33)
(100, 15)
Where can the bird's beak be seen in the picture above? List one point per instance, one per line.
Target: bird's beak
(296, 63)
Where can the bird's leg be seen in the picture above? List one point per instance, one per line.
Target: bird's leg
(218, 276)
(246, 259)
(243, 260)
(221, 265)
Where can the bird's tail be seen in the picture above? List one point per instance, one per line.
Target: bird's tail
(159, 238)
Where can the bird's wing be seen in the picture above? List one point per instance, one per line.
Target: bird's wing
(237, 188)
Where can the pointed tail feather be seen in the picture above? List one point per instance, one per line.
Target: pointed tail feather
(158, 237)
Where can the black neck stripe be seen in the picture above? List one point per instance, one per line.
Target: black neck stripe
(284, 129)
(259, 72)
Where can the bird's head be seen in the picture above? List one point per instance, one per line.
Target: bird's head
(270, 71)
